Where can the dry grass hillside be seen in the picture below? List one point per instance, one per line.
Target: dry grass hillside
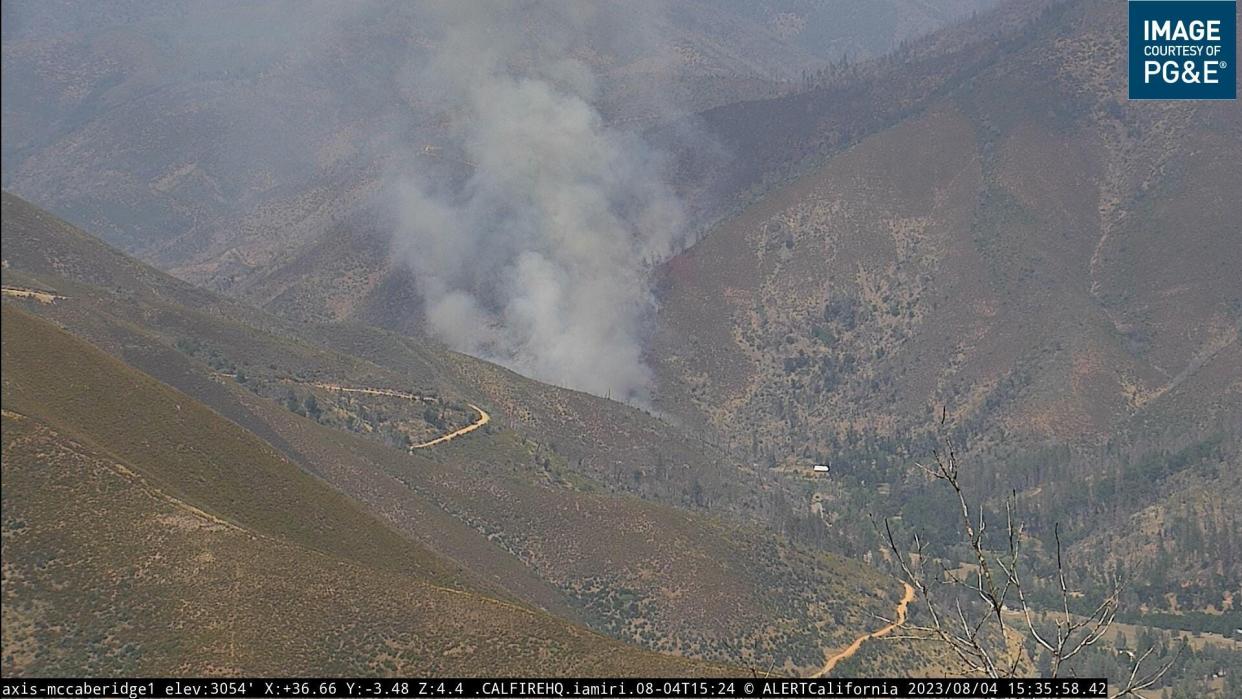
(534, 507)
(977, 231)
(145, 534)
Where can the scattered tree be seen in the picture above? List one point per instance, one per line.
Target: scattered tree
(965, 611)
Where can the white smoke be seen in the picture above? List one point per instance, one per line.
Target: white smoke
(540, 260)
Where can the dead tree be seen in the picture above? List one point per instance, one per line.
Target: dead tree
(978, 634)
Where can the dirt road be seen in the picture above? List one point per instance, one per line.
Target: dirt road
(852, 648)
(483, 418)
(40, 296)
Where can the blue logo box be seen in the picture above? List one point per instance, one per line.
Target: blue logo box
(1183, 49)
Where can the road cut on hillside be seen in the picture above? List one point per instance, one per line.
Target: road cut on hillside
(482, 419)
(21, 293)
(852, 648)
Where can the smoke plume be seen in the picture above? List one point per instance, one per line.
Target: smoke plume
(540, 259)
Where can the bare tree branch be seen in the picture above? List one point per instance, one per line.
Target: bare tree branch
(978, 634)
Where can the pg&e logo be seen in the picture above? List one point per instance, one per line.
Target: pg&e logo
(1183, 49)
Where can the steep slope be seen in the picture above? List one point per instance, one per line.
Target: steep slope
(186, 134)
(341, 267)
(144, 534)
(536, 504)
(200, 117)
(1054, 264)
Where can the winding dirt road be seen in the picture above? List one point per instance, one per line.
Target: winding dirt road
(483, 418)
(852, 648)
